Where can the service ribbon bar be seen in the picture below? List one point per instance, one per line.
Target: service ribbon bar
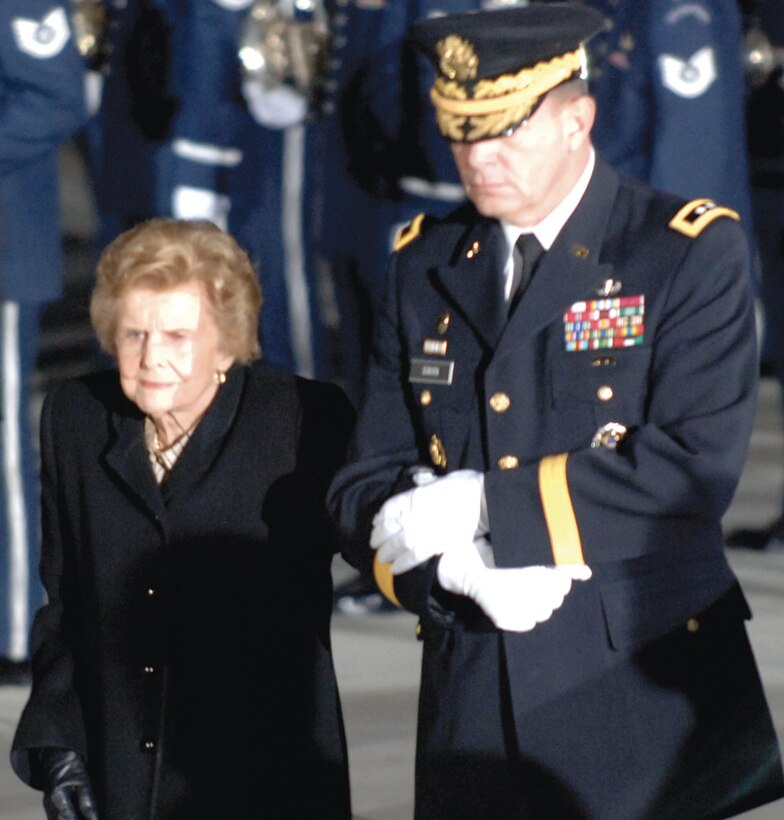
(605, 323)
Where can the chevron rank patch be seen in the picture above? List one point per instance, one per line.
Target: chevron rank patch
(695, 216)
(689, 78)
(599, 324)
(42, 39)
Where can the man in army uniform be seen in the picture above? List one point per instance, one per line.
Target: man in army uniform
(558, 409)
(42, 103)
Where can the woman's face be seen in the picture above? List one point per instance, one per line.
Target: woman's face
(169, 349)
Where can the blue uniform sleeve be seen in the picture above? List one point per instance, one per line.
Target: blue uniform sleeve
(205, 142)
(42, 96)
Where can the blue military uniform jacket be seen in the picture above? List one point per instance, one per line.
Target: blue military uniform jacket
(251, 179)
(454, 385)
(42, 102)
(670, 92)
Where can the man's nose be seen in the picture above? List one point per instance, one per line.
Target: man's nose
(480, 153)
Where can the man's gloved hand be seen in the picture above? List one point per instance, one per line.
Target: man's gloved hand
(67, 791)
(516, 599)
(413, 526)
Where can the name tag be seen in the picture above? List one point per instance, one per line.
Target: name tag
(428, 371)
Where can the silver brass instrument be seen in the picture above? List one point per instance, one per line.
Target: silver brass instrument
(90, 26)
(285, 42)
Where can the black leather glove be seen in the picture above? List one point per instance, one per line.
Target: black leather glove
(67, 791)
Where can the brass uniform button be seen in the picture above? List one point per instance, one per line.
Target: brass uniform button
(425, 398)
(693, 625)
(605, 393)
(509, 462)
(151, 592)
(500, 402)
(443, 323)
(419, 630)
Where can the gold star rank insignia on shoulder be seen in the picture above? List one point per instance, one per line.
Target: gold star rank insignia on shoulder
(695, 216)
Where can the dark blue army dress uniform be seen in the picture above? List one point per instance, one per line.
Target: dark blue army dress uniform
(42, 102)
(609, 415)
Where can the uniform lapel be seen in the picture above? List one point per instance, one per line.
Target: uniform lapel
(570, 271)
(473, 280)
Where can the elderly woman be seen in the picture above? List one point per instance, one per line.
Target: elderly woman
(182, 664)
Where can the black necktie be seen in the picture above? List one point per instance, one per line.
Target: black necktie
(525, 255)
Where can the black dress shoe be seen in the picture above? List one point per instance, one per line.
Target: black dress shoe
(14, 673)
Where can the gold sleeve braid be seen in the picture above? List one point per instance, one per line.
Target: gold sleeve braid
(558, 510)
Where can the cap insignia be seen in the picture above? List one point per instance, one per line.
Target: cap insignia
(500, 103)
(457, 58)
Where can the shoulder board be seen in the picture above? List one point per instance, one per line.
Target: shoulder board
(409, 232)
(695, 216)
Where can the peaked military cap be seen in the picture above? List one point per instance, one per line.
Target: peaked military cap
(494, 66)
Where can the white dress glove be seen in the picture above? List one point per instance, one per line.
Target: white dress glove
(413, 526)
(516, 599)
(279, 107)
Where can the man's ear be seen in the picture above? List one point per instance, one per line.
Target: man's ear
(580, 114)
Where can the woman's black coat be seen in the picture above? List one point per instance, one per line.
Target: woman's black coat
(185, 648)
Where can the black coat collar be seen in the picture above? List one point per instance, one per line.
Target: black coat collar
(127, 457)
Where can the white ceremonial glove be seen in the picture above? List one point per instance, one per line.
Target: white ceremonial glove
(200, 203)
(515, 600)
(413, 526)
(279, 107)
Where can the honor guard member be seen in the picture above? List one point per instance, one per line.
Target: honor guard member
(670, 94)
(392, 150)
(137, 106)
(558, 410)
(398, 166)
(241, 153)
(42, 103)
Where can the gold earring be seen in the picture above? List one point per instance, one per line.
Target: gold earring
(220, 377)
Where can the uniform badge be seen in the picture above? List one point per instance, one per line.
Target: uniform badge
(689, 78)
(434, 347)
(429, 371)
(605, 323)
(609, 435)
(44, 38)
(610, 287)
(437, 452)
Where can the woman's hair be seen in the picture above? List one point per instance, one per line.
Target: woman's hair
(164, 253)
